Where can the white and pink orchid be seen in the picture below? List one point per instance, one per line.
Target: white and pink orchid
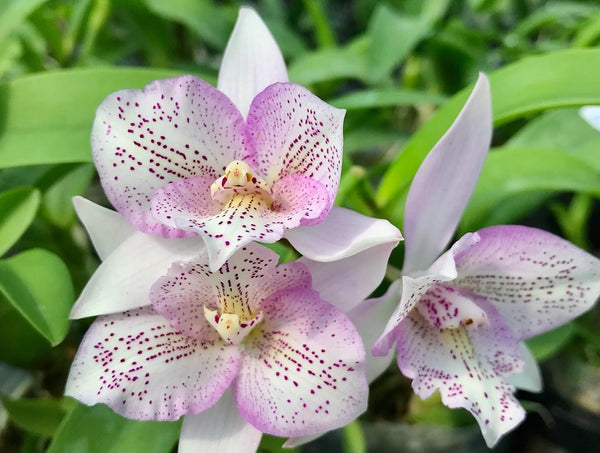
(251, 160)
(294, 363)
(461, 319)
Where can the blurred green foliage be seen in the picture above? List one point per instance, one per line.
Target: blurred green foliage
(391, 64)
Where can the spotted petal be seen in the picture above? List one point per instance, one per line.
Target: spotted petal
(107, 228)
(536, 280)
(136, 363)
(297, 133)
(467, 367)
(445, 180)
(186, 204)
(252, 61)
(220, 428)
(175, 128)
(304, 370)
(123, 280)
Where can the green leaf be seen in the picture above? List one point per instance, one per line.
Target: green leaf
(375, 98)
(560, 79)
(212, 23)
(14, 12)
(354, 438)
(47, 118)
(547, 344)
(392, 37)
(57, 203)
(17, 210)
(331, 64)
(39, 416)
(508, 172)
(98, 429)
(38, 285)
(20, 342)
(561, 129)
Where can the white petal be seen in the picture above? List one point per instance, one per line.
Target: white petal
(343, 233)
(445, 180)
(220, 429)
(123, 280)
(252, 61)
(107, 228)
(530, 378)
(346, 282)
(591, 113)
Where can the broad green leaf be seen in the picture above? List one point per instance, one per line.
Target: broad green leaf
(57, 204)
(38, 285)
(508, 172)
(362, 139)
(17, 210)
(20, 342)
(331, 64)
(14, 12)
(391, 37)
(545, 345)
(39, 416)
(375, 98)
(354, 438)
(47, 118)
(211, 22)
(561, 129)
(97, 429)
(589, 32)
(560, 79)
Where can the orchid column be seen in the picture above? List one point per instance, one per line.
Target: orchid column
(461, 318)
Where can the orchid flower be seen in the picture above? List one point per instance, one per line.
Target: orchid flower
(251, 160)
(294, 363)
(461, 319)
(132, 264)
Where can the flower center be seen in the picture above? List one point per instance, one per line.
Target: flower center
(446, 307)
(233, 319)
(239, 179)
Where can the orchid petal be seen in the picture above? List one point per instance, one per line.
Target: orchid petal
(123, 280)
(530, 378)
(141, 367)
(535, 279)
(175, 128)
(220, 428)
(304, 371)
(444, 182)
(295, 132)
(447, 360)
(367, 318)
(347, 282)
(591, 114)
(248, 277)
(187, 204)
(252, 61)
(107, 229)
(341, 234)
